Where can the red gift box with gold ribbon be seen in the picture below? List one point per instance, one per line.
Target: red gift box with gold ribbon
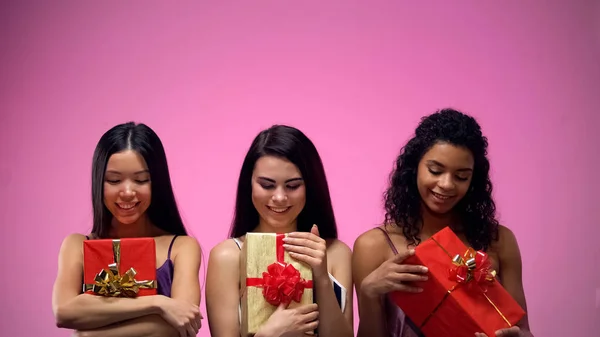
(270, 277)
(120, 268)
(462, 295)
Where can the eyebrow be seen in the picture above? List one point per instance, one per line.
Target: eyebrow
(135, 173)
(273, 181)
(437, 163)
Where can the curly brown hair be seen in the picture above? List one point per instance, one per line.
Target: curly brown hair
(477, 210)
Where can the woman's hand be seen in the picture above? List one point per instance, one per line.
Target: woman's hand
(514, 331)
(310, 249)
(291, 322)
(392, 275)
(182, 315)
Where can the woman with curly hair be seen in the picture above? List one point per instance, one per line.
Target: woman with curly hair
(441, 178)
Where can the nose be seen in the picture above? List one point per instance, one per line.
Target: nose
(446, 182)
(127, 191)
(279, 195)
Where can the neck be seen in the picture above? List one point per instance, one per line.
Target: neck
(432, 222)
(141, 228)
(264, 227)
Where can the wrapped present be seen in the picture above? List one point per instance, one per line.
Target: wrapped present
(270, 277)
(462, 295)
(120, 268)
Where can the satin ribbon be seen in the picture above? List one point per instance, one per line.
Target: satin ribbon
(472, 268)
(281, 283)
(111, 283)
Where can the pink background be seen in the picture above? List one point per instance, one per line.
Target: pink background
(355, 76)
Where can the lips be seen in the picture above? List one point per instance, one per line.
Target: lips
(279, 210)
(126, 206)
(441, 197)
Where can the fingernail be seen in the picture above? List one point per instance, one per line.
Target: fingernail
(286, 246)
(420, 290)
(411, 252)
(425, 269)
(425, 278)
(285, 239)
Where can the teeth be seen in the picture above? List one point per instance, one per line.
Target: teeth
(278, 210)
(440, 196)
(127, 206)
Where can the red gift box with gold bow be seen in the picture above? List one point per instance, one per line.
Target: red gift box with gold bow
(270, 277)
(120, 268)
(462, 295)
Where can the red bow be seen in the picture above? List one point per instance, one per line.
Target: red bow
(282, 284)
(473, 266)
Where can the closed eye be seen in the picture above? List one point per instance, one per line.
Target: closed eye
(435, 173)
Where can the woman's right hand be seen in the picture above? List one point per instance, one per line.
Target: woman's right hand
(287, 322)
(392, 275)
(182, 315)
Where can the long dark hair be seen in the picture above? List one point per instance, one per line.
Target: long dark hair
(476, 210)
(163, 211)
(291, 144)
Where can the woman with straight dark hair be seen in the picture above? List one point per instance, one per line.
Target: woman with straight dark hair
(132, 196)
(282, 188)
(441, 179)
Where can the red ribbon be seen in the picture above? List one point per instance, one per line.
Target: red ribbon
(281, 282)
(473, 267)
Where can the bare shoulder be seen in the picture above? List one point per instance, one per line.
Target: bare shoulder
(507, 241)
(371, 247)
(226, 252)
(338, 249)
(73, 242)
(371, 240)
(186, 245)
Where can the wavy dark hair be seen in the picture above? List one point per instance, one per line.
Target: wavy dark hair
(163, 211)
(291, 144)
(477, 210)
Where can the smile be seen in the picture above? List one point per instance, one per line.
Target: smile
(279, 209)
(441, 196)
(127, 205)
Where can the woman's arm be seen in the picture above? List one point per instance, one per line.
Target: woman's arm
(365, 259)
(146, 326)
(223, 290)
(185, 289)
(332, 321)
(74, 310)
(509, 256)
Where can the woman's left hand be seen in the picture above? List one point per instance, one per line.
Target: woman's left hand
(514, 331)
(310, 249)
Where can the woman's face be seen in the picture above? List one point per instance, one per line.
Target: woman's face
(444, 176)
(127, 187)
(278, 192)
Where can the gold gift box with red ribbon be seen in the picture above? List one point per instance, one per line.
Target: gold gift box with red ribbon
(270, 277)
(462, 295)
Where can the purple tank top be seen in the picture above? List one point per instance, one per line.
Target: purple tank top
(164, 273)
(397, 324)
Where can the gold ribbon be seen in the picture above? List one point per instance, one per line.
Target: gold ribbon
(109, 282)
(469, 262)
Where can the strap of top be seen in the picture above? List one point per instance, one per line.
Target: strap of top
(389, 240)
(87, 237)
(171, 246)
(237, 243)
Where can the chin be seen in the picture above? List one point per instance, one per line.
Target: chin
(127, 220)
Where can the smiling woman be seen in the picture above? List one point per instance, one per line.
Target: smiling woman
(282, 188)
(132, 197)
(441, 179)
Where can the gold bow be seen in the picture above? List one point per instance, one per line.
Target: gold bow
(109, 282)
